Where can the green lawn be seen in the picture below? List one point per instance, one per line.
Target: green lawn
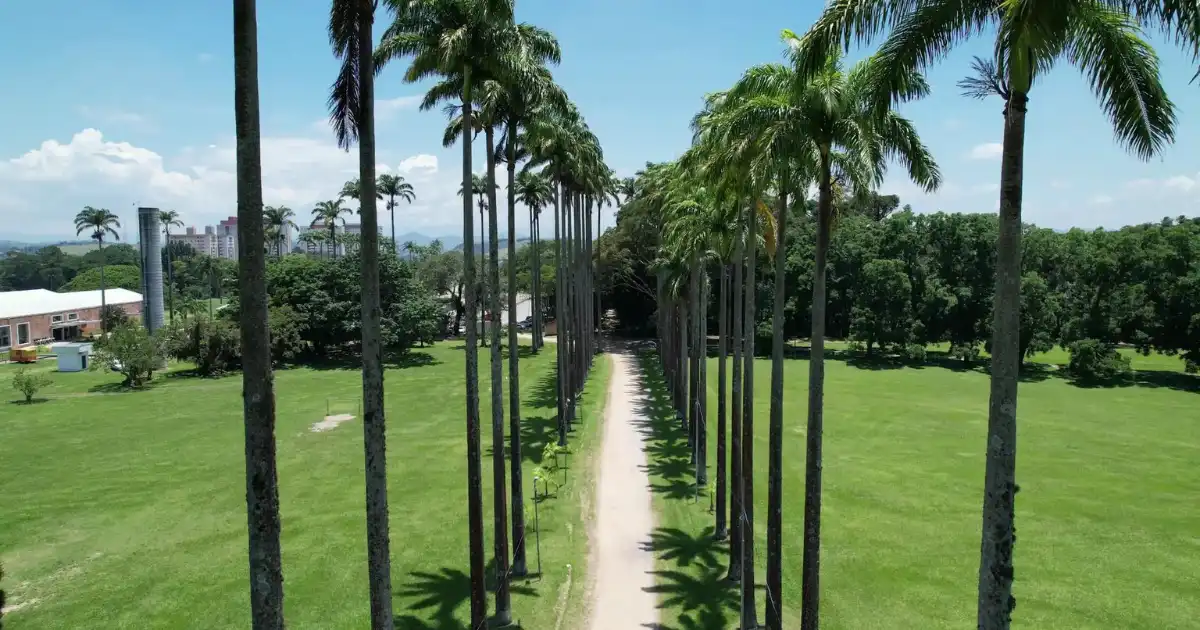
(127, 509)
(1107, 519)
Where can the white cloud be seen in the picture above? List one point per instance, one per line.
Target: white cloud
(204, 57)
(46, 186)
(1060, 184)
(387, 107)
(982, 189)
(986, 151)
(1175, 185)
(1101, 200)
(112, 116)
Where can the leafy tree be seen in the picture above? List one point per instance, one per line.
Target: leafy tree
(1039, 315)
(329, 213)
(133, 352)
(1097, 360)
(30, 382)
(116, 276)
(212, 344)
(883, 310)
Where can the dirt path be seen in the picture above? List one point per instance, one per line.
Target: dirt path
(622, 562)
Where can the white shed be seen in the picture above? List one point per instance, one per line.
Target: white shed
(73, 357)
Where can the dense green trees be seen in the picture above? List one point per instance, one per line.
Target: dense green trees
(1135, 286)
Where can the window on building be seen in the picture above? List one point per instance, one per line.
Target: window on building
(56, 319)
(72, 316)
(22, 334)
(5, 339)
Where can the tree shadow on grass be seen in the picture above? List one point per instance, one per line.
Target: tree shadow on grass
(524, 351)
(119, 387)
(667, 455)
(675, 545)
(346, 360)
(704, 597)
(440, 593)
(26, 403)
(1031, 372)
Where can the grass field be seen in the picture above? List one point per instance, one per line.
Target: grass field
(127, 509)
(1107, 517)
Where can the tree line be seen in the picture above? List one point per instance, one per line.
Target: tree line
(900, 283)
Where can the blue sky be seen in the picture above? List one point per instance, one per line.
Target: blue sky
(128, 103)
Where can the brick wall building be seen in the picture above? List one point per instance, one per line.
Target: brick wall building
(29, 317)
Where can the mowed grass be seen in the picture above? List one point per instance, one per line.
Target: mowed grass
(127, 510)
(1108, 516)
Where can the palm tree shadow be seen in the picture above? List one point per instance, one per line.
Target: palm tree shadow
(441, 593)
(675, 545)
(667, 453)
(704, 597)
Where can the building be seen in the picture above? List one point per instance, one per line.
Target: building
(31, 317)
(321, 247)
(227, 239)
(203, 242)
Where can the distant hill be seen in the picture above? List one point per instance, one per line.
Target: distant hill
(75, 248)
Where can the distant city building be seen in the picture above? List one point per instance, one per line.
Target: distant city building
(219, 241)
(322, 247)
(203, 242)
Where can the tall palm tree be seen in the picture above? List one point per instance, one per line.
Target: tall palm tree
(101, 223)
(394, 186)
(1106, 44)
(447, 37)
(169, 219)
(311, 239)
(277, 220)
(352, 113)
(352, 189)
(258, 389)
(534, 190)
(329, 213)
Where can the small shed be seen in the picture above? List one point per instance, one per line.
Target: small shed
(73, 357)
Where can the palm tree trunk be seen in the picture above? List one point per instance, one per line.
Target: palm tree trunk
(392, 213)
(749, 616)
(379, 564)
(701, 377)
(500, 495)
(258, 388)
(560, 320)
(100, 248)
(474, 466)
(813, 466)
(722, 377)
(775, 444)
(1000, 479)
(737, 305)
(596, 268)
(514, 385)
(693, 365)
(170, 280)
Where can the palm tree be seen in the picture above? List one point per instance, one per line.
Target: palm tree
(352, 189)
(329, 213)
(534, 190)
(445, 37)
(352, 111)
(1105, 43)
(278, 219)
(169, 219)
(394, 186)
(258, 390)
(311, 239)
(100, 222)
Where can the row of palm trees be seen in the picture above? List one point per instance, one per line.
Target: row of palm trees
(493, 72)
(783, 128)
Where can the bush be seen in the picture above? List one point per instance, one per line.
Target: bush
(30, 383)
(1095, 359)
(113, 317)
(213, 345)
(763, 338)
(967, 353)
(285, 325)
(914, 352)
(132, 351)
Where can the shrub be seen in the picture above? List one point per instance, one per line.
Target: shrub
(914, 352)
(762, 338)
(1, 596)
(1095, 359)
(966, 352)
(29, 383)
(132, 351)
(113, 317)
(285, 325)
(212, 344)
